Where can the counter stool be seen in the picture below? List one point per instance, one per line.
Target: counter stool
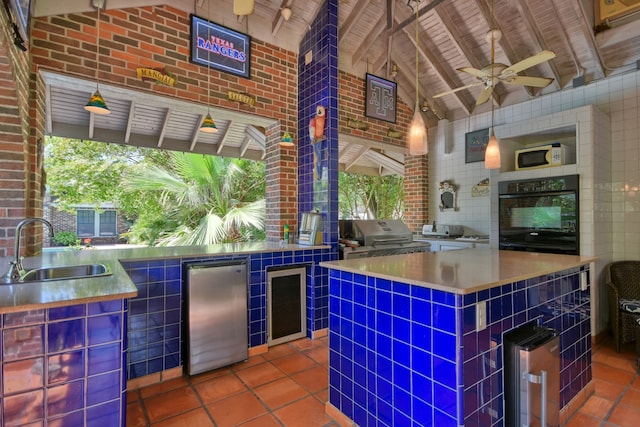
(637, 330)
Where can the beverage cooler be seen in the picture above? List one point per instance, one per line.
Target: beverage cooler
(532, 377)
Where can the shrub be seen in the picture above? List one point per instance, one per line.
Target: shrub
(66, 238)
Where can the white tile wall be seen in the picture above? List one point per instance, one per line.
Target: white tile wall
(612, 208)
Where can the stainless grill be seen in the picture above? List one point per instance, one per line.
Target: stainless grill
(372, 237)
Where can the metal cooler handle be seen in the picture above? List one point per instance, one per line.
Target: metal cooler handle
(542, 380)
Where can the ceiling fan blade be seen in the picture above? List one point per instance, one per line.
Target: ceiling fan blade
(475, 72)
(485, 94)
(528, 81)
(529, 62)
(456, 90)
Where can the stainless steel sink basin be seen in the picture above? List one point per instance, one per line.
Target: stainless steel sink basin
(66, 272)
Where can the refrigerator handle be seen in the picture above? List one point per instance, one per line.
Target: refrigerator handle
(542, 380)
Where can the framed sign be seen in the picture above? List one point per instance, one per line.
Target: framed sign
(219, 47)
(475, 145)
(381, 97)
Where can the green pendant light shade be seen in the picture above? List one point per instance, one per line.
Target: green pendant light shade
(287, 140)
(96, 104)
(208, 125)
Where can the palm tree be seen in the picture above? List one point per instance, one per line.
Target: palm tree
(204, 199)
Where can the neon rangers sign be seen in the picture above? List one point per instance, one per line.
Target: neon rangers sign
(219, 47)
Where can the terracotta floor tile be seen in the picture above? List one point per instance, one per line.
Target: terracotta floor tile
(596, 407)
(607, 390)
(133, 396)
(614, 375)
(219, 388)
(631, 398)
(171, 404)
(280, 392)
(236, 409)
(253, 361)
(323, 396)
(163, 387)
(260, 374)
(279, 351)
(319, 355)
(135, 415)
(266, 420)
(636, 383)
(294, 363)
(308, 412)
(610, 358)
(314, 379)
(206, 376)
(582, 420)
(197, 417)
(625, 416)
(306, 344)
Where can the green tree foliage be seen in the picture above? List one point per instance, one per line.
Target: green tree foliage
(203, 199)
(171, 198)
(370, 197)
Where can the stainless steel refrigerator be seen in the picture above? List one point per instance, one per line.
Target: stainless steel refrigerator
(532, 377)
(216, 314)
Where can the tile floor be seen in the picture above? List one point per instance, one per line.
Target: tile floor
(288, 387)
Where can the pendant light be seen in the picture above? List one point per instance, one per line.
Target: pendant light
(96, 103)
(287, 139)
(417, 133)
(208, 125)
(492, 152)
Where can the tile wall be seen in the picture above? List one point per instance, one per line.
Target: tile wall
(64, 366)
(618, 97)
(409, 355)
(318, 85)
(156, 316)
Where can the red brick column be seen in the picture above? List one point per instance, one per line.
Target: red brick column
(416, 192)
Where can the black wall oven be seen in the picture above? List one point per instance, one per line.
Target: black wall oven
(540, 215)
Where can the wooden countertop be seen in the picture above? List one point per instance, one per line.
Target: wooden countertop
(463, 271)
(56, 293)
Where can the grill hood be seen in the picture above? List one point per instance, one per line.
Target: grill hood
(375, 232)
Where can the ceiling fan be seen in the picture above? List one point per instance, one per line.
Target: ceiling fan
(495, 73)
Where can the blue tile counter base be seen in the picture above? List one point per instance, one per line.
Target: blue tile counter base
(406, 355)
(156, 315)
(64, 366)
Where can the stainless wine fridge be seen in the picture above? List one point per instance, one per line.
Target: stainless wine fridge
(532, 377)
(216, 314)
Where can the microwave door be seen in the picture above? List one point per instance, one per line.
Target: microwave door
(533, 158)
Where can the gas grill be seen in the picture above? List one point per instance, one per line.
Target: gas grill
(373, 237)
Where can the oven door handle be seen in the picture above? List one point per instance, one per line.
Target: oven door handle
(389, 241)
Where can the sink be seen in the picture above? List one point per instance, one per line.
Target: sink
(66, 272)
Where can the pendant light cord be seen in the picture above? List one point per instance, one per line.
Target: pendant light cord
(417, 46)
(493, 38)
(98, 49)
(208, 57)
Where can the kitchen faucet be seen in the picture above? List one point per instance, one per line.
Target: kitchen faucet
(17, 270)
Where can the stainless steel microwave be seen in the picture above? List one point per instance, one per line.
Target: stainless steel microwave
(542, 156)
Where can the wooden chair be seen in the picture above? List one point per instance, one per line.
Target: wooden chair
(623, 282)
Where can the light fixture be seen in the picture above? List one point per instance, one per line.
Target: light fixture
(394, 71)
(208, 125)
(286, 13)
(287, 139)
(96, 104)
(417, 133)
(425, 106)
(492, 152)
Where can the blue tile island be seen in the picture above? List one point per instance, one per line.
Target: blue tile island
(404, 346)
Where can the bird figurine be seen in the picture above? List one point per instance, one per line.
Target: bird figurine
(316, 136)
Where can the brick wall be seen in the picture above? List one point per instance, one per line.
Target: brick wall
(19, 156)
(351, 99)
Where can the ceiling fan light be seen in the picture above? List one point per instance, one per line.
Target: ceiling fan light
(286, 13)
(492, 153)
(417, 135)
(287, 140)
(96, 104)
(208, 125)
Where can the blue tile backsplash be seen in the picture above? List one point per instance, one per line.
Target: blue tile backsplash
(64, 366)
(407, 355)
(155, 329)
